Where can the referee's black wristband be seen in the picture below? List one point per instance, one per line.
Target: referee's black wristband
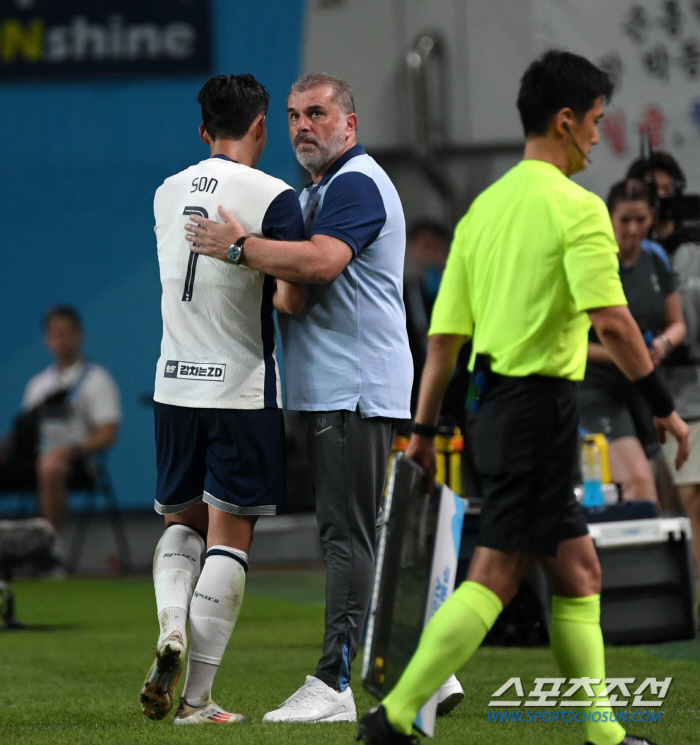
(655, 394)
(425, 430)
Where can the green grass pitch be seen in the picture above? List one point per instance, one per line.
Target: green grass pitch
(79, 683)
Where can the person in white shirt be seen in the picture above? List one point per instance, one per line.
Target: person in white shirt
(75, 411)
(219, 427)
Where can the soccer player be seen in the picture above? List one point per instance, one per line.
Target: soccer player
(347, 361)
(532, 261)
(218, 417)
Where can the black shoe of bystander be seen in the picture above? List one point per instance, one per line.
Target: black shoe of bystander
(632, 740)
(374, 729)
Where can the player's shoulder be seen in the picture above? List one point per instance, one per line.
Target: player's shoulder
(256, 183)
(166, 192)
(207, 168)
(272, 184)
(180, 176)
(226, 176)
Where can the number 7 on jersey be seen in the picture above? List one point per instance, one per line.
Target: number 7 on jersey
(192, 263)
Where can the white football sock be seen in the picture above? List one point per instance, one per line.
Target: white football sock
(198, 683)
(213, 614)
(177, 564)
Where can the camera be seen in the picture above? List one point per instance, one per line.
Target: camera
(682, 208)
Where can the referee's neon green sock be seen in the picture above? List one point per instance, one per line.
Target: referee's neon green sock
(577, 643)
(447, 642)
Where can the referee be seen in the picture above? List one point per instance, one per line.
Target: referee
(532, 261)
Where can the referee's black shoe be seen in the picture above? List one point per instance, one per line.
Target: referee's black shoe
(632, 740)
(374, 729)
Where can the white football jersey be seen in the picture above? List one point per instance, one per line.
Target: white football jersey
(218, 348)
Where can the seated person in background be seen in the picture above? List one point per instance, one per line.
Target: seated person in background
(609, 403)
(71, 411)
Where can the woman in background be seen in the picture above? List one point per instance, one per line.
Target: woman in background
(609, 402)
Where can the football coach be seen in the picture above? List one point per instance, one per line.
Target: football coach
(347, 362)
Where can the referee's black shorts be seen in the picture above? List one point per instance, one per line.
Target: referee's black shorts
(525, 446)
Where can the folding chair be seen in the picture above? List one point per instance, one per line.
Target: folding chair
(102, 488)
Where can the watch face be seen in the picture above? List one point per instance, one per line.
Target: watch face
(234, 254)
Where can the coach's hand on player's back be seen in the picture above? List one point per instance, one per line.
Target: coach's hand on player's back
(422, 451)
(674, 425)
(213, 238)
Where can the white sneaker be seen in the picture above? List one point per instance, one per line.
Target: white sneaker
(210, 713)
(315, 702)
(450, 694)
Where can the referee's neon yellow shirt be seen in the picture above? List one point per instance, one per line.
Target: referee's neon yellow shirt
(532, 254)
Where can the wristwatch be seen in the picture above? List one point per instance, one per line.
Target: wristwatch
(235, 250)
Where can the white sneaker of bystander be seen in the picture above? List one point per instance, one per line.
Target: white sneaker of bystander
(315, 702)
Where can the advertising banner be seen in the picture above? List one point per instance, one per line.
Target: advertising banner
(46, 39)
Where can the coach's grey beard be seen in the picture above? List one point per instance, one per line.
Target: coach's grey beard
(315, 159)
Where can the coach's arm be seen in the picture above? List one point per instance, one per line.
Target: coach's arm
(290, 297)
(315, 261)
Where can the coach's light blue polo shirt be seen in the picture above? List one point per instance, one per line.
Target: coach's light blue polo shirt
(349, 348)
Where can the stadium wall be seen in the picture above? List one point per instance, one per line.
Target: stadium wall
(81, 162)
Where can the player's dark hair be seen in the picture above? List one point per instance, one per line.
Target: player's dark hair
(643, 169)
(630, 190)
(559, 80)
(62, 311)
(230, 104)
(429, 226)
